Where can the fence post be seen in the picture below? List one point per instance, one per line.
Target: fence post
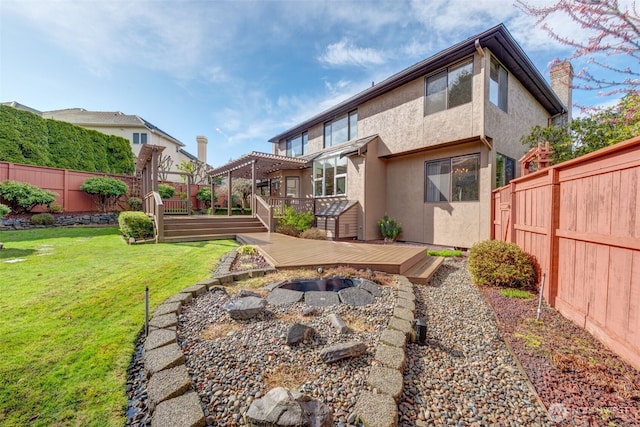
(513, 214)
(551, 290)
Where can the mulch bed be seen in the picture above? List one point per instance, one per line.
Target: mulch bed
(580, 381)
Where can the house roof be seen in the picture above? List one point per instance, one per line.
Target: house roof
(336, 209)
(349, 148)
(501, 44)
(265, 164)
(82, 117)
(19, 106)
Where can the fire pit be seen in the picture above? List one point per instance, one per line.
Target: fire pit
(333, 284)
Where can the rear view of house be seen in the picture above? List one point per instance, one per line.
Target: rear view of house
(427, 145)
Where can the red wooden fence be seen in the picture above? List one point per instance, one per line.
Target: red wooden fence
(67, 184)
(581, 221)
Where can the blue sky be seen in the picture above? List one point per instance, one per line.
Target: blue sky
(238, 72)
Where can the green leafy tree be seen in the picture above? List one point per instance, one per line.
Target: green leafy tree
(204, 195)
(166, 191)
(105, 191)
(590, 133)
(22, 197)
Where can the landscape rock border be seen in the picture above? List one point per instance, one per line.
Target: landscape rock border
(377, 409)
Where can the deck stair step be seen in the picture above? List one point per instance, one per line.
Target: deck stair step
(422, 271)
(195, 228)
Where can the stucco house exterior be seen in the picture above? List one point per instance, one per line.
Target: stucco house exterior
(137, 130)
(427, 145)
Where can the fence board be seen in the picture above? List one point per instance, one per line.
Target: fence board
(581, 221)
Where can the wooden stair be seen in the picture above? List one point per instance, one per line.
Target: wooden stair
(421, 271)
(200, 227)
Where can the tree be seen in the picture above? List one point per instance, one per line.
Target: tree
(197, 169)
(614, 32)
(242, 188)
(22, 197)
(105, 191)
(164, 166)
(586, 134)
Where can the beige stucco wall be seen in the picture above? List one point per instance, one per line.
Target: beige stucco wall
(152, 138)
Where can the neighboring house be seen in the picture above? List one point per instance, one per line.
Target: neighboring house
(134, 128)
(427, 145)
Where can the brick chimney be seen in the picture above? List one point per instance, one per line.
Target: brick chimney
(202, 148)
(561, 83)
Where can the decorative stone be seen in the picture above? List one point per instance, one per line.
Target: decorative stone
(284, 296)
(162, 358)
(355, 297)
(404, 303)
(401, 325)
(321, 298)
(181, 298)
(246, 293)
(386, 380)
(403, 313)
(299, 332)
(393, 338)
(391, 357)
(274, 285)
(218, 289)
(195, 290)
(183, 410)
(338, 323)
(342, 351)
(281, 407)
(245, 308)
(168, 384)
(310, 311)
(376, 410)
(168, 308)
(209, 283)
(159, 338)
(371, 287)
(164, 321)
(407, 295)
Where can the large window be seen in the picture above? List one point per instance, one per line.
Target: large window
(297, 146)
(505, 170)
(498, 85)
(342, 129)
(449, 88)
(139, 138)
(452, 180)
(330, 177)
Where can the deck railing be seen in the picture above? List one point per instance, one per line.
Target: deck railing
(299, 204)
(154, 207)
(264, 213)
(176, 207)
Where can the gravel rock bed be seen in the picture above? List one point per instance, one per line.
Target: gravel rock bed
(233, 362)
(465, 375)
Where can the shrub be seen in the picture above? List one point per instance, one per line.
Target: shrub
(389, 228)
(105, 191)
(299, 221)
(166, 191)
(135, 224)
(497, 263)
(289, 230)
(247, 250)
(204, 195)
(515, 293)
(22, 197)
(42, 219)
(4, 210)
(135, 203)
(55, 208)
(314, 234)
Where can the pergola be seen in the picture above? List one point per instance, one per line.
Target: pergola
(254, 166)
(147, 167)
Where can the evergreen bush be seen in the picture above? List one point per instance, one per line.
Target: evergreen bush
(22, 197)
(135, 224)
(105, 191)
(389, 228)
(166, 191)
(135, 203)
(503, 264)
(294, 220)
(204, 195)
(4, 210)
(43, 219)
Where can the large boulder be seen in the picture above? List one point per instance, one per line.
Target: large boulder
(299, 332)
(245, 308)
(281, 407)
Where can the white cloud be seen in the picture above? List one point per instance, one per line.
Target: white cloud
(346, 53)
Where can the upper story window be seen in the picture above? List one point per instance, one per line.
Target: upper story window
(342, 129)
(298, 146)
(330, 177)
(452, 180)
(139, 138)
(449, 88)
(498, 79)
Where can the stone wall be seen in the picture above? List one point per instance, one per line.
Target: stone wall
(64, 220)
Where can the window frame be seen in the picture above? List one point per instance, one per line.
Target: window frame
(351, 129)
(337, 163)
(139, 138)
(499, 88)
(447, 164)
(446, 89)
(304, 143)
(502, 176)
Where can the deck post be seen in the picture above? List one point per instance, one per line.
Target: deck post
(229, 202)
(253, 188)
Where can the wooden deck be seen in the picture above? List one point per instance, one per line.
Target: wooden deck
(284, 252)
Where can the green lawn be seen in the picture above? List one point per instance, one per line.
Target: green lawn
(70, 313)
